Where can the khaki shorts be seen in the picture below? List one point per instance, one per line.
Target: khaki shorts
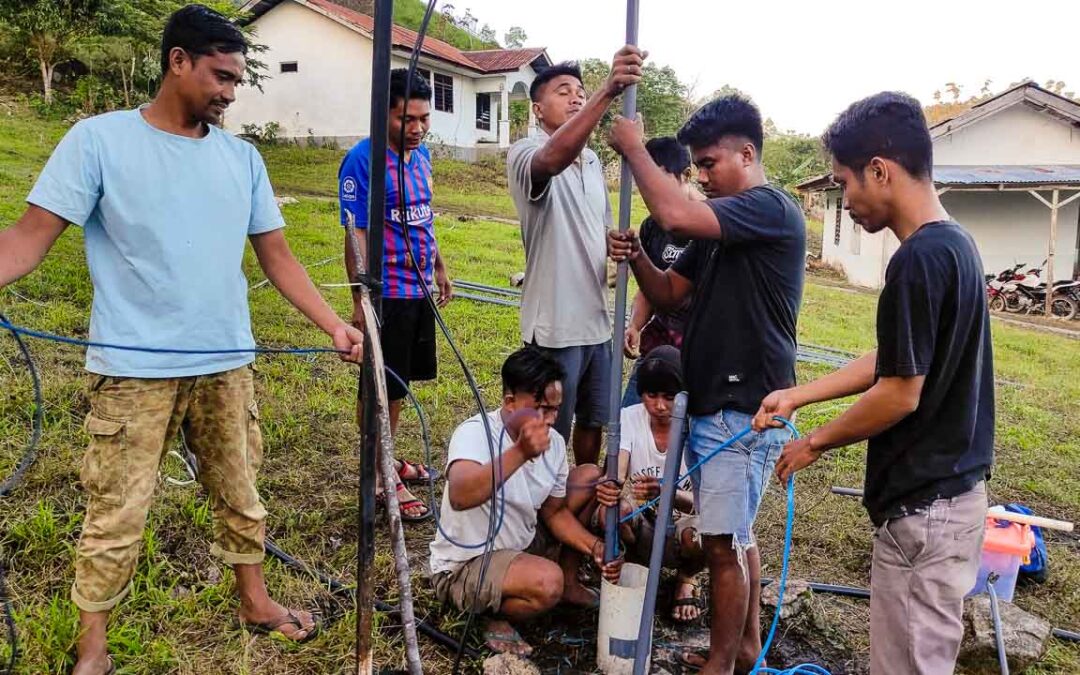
(464, 589)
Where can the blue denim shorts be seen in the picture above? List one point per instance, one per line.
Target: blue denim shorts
(728, 488)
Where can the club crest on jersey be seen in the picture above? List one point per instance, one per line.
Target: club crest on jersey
(348, 189)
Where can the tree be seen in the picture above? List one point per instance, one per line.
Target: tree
(49, 27)
(726, 90)
(515, 38)
(487, 33)
(947, 108)
(662, 101)
(790, 159)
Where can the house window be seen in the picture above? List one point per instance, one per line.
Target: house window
(290, 67)
(444, 93)
(856, 238)
(483, 112)
(839, 214)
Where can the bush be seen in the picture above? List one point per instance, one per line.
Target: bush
(267, 134)
(92, 95)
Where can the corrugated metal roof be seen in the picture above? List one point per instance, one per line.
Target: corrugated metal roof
(958, 175)
(1058, 174)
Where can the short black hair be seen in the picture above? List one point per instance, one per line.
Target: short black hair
(200, 31)
(550, 73)
(669, 154)
(890, 125)
(530, 371)
(660, 372)
(731, 115)
(420, 89)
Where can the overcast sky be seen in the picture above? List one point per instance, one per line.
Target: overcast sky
(803, 62)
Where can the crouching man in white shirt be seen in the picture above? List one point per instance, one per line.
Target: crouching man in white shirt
(541, 509)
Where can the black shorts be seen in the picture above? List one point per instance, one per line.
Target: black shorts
(408, 342)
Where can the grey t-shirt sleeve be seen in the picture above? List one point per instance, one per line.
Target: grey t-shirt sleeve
(519, 169)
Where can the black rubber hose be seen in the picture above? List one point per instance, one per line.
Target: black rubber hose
(339, 588)
(30, 453)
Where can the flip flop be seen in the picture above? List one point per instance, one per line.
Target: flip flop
(417, 473)
(274, 626)
(513, 637)
(687, 602)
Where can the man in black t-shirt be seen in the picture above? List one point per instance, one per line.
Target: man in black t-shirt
(744, 266)
(647, 328)
(928, 406)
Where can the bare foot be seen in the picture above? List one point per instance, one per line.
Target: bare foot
(101, 664)
(579, 595)
(277, 618)
(500, 636)
(687, 606)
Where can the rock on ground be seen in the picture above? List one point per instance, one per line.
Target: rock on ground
(509, 664)
(1025, 636)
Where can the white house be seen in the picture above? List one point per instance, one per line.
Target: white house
(1000, 167)
(319, 59)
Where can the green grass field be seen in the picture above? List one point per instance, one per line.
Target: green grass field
(180, 618)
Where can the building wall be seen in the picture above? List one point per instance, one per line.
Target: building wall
(329, 98)
(1014, 227)
(861, 255)
(1008, 228)
(1016, 135)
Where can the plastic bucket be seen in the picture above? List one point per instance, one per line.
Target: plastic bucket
(620, 617)
(1005, 547)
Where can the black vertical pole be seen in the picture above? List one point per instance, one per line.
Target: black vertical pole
(672, 466)
(611, 537)
(380, 95)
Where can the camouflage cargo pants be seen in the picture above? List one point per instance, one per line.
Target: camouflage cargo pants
(131, 424)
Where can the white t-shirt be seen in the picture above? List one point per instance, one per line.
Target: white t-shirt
(637, 439)
(524, 492)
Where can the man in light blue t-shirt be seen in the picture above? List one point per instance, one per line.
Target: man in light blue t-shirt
(166, 201)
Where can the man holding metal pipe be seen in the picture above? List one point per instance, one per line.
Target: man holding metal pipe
(744, 267)
(562, 201)
(928, 392)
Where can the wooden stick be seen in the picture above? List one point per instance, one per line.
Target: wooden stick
(386, 458)
(997, 512)
(1000, 513)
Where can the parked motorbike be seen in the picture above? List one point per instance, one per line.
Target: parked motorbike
(1027, 293)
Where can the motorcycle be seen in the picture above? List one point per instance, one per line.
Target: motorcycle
(995, 284)
(1027, 293)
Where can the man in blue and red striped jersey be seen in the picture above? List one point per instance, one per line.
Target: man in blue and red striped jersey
(408, 322)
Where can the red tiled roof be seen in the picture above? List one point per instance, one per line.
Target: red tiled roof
(402, 37)
(497, 60)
